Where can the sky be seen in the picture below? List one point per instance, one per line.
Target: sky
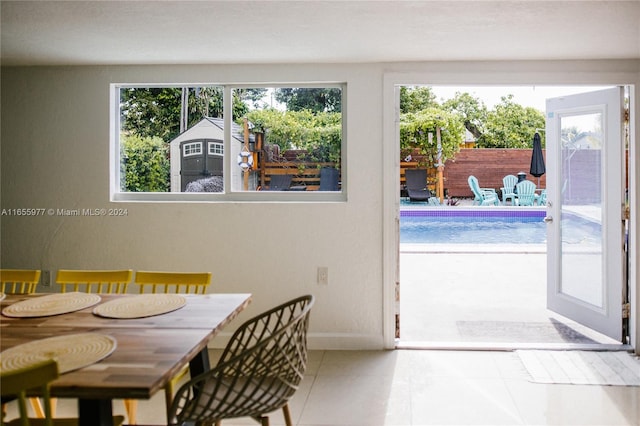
(533, 96)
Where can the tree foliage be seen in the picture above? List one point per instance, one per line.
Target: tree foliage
(145, 164)
(156, 111)
(414, 99)
(312, 99)
(416, 126)
(319, 133)
(510, 125)
(472, 111)
(507, 125)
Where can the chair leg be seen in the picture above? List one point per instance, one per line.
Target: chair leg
(287, 415)
(131, 407)
(168, 398)
(37, 407)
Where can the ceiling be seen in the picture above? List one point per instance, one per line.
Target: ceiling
(261, 32)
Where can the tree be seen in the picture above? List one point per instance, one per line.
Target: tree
(472, 111)
(415, 129)
(414, 99)
(312, 99)
(145, 164)
(320, 133)
(510, 125)
(152, 111)
(156, 111)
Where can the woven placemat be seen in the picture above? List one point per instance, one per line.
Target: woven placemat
(51, 304)
(72, 351)
(140, 306)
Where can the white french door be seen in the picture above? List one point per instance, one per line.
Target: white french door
(585, 228)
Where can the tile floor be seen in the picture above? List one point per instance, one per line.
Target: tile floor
(418, 387)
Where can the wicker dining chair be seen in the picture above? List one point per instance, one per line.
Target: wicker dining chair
(258, 372)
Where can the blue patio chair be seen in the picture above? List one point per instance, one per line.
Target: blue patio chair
(483, 196)
(508, 189)
(525, 193)
(542, 198)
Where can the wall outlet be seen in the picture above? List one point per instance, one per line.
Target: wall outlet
(323, 275)
(45, 277)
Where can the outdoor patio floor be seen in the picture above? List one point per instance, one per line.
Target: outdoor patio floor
(493, 299)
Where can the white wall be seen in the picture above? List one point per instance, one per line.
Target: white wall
(55, 154)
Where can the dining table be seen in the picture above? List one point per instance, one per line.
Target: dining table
(148, 351)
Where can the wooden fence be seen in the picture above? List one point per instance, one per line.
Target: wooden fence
(303, 174)
(488, 165)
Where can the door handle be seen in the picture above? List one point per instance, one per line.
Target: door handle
(547, 219)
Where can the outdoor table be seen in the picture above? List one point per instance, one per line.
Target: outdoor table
(149, 350)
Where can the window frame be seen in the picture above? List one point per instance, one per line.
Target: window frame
(229, 195)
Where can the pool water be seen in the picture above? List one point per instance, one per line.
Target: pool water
(494, 226)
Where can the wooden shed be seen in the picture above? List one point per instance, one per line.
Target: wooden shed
(198, 152)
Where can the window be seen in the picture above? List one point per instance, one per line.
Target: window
(273, 142)
(216, 148)
(193, 148)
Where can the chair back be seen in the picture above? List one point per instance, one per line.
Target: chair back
(19, 281)
(94, 281)
(475, 187)
(173, 282)
(415, 178)
(280, 183)
(542, 201)
(15, 383)
(259, 370)
(329, 178)
(526, 192)
(509, 184)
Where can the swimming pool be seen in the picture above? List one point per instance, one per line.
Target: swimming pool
(482, 226)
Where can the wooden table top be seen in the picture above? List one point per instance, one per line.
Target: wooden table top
(149, 350)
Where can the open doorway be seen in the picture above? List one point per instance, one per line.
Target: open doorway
(480, 293)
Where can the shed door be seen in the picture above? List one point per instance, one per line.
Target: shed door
(199, 159)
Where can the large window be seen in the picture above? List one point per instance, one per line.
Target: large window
(224, 142)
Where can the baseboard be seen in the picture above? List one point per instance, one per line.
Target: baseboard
(322, 341)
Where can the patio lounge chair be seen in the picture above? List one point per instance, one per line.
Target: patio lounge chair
(483, 196)
(416, 184)
(329, 177)
(279, 183)
(526, 193)
(508, 189)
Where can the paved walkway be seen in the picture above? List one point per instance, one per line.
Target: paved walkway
(480, 299)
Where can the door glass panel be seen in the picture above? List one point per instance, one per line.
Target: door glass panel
(581, 200)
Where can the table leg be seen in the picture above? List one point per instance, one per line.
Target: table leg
(200, 363)
(95, 412)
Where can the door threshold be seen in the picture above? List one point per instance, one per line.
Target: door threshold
(506, 346)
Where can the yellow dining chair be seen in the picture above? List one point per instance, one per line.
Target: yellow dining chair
(22, 281)
(19, 281)
(173, 282)
(99, 281)
(94, 281)
(15, 383)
